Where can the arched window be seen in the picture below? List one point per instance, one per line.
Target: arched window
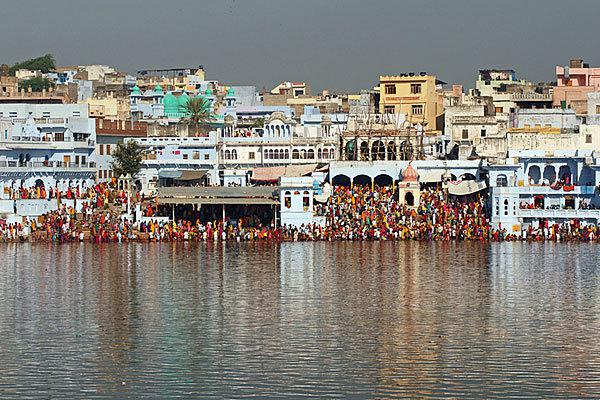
(287, 199)
(271, 154)
(303, 154)
(310, 154)
(227, 154)
(278, 131)
(319, 154)
(331, 154)
(306, 200)
(234, 154)
(266, 155)
(502, 181)
(276, 154)
(295, 154)
(287, 154)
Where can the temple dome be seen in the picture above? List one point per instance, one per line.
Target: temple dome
(183, 100)
(409, 174)
(158, 88)
(170, 104)
(230, 91)
(208, 92)
(135, 90)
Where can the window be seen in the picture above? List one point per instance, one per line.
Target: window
(417, 109)
(83, 160)
(501, 181)
(12, 114)
(101, 149)
(295, 154)
(227, 154)
(483, 133)
(388, 109)
(251, 155)
(306, 200)
(108, 150)
(498, 110)
(266, 154)
(185, 156)
(390, 89)
(287, 154)
(207, 157)
(311, 154)
(597, 108)
(77, 113)
(319, 154)
(234, 154)
(415, 88)
(287, 200)
(46, 114)
(588, 138)
(196, 155)
(465, 134)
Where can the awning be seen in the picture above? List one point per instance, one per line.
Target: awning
(430, 176)
(272, 174)
(464, 188)
(182, 175)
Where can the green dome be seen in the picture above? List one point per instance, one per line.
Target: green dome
(135, 90)
(183, 100)
(158, 88)
(230, 92)
(208, 92)
(170, 104)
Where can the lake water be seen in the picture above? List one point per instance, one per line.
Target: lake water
(325, 320)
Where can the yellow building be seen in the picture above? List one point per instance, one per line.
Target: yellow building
(414, 95)
(109, 108)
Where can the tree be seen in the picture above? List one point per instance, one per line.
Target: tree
(127, 159)
(198, 111)
(259, 123)
(44, 63)
(37, 84)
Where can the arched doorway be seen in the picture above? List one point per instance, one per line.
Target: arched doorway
(378, 150)
(391, 151)
(341, 180)
(362, 180)
(549, 174)
(534, 174)
(39, 183)
(406, 151)
(409, 199)
(383, 180)
(364, 151)
(564, 174)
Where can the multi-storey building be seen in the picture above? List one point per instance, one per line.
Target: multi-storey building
(573, 83)
(415, 95)
(50, 145)
(536, 188)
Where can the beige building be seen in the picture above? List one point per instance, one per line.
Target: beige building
(415, 95)
(113, 108)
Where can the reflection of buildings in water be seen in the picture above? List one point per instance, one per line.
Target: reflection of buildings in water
(436, 292)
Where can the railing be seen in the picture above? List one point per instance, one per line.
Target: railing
(45, 165)
(559, 213)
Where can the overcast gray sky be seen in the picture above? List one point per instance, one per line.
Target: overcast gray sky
(336, 44)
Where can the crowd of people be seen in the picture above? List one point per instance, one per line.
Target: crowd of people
(350, 213)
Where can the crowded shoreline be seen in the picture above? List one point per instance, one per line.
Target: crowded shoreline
(358, 213)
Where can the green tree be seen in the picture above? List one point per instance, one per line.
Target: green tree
(37, 84)
(259, 123)
(198, 111)
(127, 159)
(44, 63)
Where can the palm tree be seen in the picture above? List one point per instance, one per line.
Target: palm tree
(198, 113)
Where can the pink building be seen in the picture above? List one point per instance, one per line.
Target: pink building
(573, 83)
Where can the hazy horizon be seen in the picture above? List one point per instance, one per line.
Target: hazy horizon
(341, 45)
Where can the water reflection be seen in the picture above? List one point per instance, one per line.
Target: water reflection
(338, 320)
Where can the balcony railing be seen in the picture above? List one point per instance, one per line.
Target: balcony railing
(45, 165)
(559, 213)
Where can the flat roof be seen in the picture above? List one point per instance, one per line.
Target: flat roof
(212, 200)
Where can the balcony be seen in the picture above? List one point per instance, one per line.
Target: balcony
(15, 166)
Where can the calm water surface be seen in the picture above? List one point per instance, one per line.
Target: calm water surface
(322, 320)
